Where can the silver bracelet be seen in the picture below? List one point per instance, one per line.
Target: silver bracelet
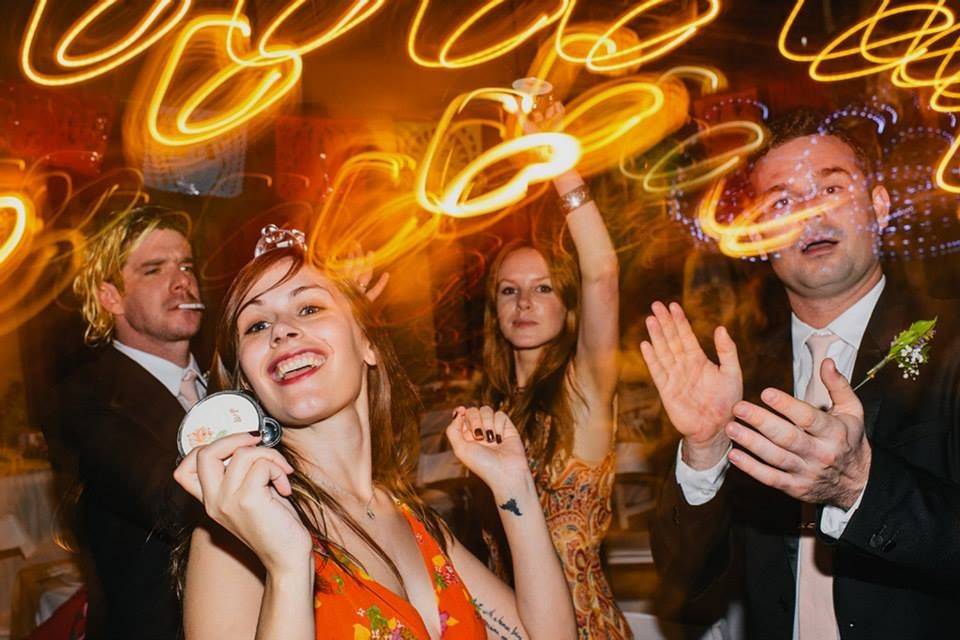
(574, 199)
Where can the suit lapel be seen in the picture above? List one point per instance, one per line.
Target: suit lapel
(141, 397)
(869, 354)
(885, 322)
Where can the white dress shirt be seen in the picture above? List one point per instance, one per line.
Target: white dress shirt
(168, 373)
(699, 487)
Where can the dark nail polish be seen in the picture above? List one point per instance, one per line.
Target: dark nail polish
(478, 432)
(489, 435)
(499, 439)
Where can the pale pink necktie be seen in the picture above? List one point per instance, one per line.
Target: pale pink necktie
(816, 618)
(188, 389)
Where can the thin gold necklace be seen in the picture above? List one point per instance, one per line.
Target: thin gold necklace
(339, 490)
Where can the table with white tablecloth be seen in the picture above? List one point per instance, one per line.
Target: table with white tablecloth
(28, 527)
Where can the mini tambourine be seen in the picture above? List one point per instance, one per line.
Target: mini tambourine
(222, 414)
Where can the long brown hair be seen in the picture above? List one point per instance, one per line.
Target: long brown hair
(393, 411)
(545, 391)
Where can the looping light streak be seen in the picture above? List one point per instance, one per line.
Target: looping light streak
(621, 117)
(248, 101)
(645, 50)
(19, 163)
(561, 73)
(659, 180)
(560, 151)
(651, 97)
(624, 117)
(97, 63)
(711, 80)
(23, 215)
(602, 50)
(915, 46)
(38, 257)
(358, 12)
(359, 186)
(23, 297)
(745, 236)
(262, 69)
(495, 50)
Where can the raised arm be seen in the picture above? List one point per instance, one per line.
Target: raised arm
(697, 394)
(489, 445)
(690, 532)
(599, 334)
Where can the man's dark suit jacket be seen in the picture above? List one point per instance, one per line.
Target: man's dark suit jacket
(897, 564)
(121, 422)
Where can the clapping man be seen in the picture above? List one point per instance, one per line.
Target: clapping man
(841, 509)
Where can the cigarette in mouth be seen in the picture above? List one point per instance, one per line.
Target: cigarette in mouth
(192, 306)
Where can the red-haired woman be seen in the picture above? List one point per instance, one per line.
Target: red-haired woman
(551, 336)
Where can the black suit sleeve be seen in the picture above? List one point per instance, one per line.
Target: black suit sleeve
(908, 515)
(693, 551)
(124, 469)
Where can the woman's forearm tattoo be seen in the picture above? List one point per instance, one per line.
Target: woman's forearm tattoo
(511, 506)
(495, 623)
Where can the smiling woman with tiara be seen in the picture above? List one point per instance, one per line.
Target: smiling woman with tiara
(322, 536)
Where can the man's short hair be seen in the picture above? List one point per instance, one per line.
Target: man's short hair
(801, 123)
(106, 253)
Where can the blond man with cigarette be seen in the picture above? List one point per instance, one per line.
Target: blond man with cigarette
(140, 299)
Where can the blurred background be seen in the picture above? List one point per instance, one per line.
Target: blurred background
(76, 149)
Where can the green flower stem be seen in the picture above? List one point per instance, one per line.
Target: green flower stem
(918, 335)
(874, 371)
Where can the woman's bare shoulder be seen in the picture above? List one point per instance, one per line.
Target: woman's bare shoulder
(223, 588)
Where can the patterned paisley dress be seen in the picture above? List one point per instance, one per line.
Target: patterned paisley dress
(351, 605)
(575, 497)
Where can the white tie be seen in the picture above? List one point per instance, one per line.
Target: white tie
(188, 389)
(816, 618)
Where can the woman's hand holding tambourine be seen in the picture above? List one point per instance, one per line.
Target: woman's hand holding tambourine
(245, 489)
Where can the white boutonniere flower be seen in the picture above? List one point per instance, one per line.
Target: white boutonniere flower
(910, 349)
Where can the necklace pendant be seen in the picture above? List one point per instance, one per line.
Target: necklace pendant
(371, 514)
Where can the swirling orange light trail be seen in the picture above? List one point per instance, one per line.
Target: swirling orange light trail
(917, 47)
(659, 181)
(249, 102)
(98, 63)
(600, 48)
(22, 210)
(444, 59)
(745, 236)
(453, 198)
(358, 13)
(38, 260)
(652, 47)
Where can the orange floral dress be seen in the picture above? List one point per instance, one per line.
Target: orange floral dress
(353, 605)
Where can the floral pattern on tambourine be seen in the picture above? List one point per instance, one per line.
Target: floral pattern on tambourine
(223, 414)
